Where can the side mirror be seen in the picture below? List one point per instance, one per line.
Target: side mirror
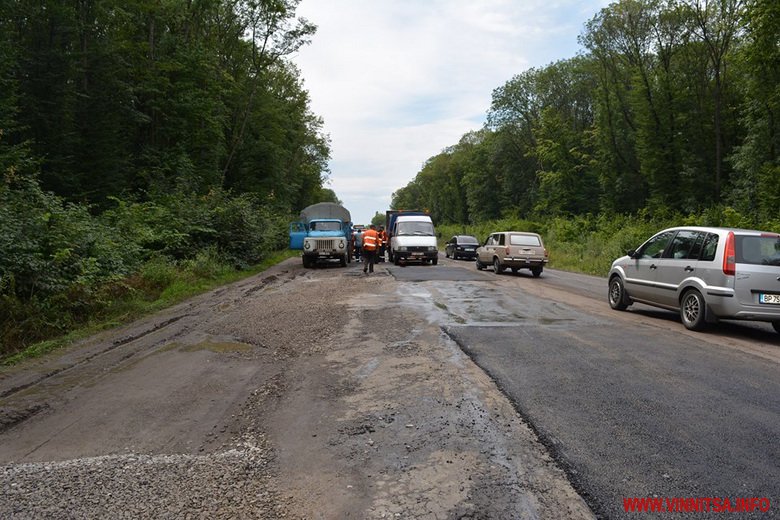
(631, 253)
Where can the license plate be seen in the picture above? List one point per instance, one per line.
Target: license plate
(773, 299)
(417, 254)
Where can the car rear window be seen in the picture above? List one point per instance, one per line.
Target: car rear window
(524, 240)
(467, 240)
(758, 250)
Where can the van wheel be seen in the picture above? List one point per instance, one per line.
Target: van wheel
(776, 325)
(692, 309)
(497, 267)
(617, 294)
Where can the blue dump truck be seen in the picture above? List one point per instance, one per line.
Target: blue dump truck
(323, 233)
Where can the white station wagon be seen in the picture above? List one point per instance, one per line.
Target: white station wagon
(705, 273)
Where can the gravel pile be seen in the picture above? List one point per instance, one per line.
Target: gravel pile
(229, 484)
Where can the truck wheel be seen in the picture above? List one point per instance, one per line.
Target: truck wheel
(306, 262)
(343, 261)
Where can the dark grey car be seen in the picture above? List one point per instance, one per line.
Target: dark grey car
(705, 273)
(461, 246)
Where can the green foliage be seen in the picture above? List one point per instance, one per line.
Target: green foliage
(674, 110)
(61, 267)
(378, 219)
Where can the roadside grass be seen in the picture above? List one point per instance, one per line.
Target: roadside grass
(158, 286)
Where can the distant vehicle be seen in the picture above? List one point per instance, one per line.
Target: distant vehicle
(514, 250)
(461, 246)
(411, 237)
(704, 273)
(323, 233)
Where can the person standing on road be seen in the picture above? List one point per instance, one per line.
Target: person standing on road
(382, 243)
(358, 243)
(370, 242)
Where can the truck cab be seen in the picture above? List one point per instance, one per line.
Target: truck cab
(324, 233)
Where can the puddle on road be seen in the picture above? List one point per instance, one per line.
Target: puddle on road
(219, 347)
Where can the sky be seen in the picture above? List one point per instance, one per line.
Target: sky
(398, 81)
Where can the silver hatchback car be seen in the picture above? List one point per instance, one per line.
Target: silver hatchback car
(704, 273)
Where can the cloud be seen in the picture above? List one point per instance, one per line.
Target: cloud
(397, 81)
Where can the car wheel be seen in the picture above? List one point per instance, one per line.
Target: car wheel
(446, 254)
(536, 271)
(497, 267)
(776, 325)
(435, 261)
(617, 294)
(692, 310)
(515, 269)
(480, 265)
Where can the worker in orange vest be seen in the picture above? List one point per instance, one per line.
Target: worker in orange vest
(370, 245)
(383, 243)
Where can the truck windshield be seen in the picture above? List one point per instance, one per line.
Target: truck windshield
(415, 228)
(325, 226)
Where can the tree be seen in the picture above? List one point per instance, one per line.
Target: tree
(756, 162)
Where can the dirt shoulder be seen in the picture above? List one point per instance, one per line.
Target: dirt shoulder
(317, 393)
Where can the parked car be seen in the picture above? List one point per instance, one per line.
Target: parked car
(704, 273)
(514, 250)
(461, 246)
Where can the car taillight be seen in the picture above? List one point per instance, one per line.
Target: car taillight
(546, 254)
(730, 256)
(507, 251)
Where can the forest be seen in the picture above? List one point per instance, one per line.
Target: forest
(670, 114)
(145, 146)
(150, 148)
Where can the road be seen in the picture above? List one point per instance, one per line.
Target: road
(417, 392)
(631, 404)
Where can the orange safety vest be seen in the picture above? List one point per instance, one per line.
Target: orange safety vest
(370, 240)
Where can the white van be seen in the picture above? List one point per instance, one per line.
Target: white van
(413, 238)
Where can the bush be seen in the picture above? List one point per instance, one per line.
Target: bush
(62, 267)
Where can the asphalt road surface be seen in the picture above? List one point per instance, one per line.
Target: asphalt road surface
(631, 404)
(422, 392)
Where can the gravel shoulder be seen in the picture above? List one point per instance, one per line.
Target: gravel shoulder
(318, 393)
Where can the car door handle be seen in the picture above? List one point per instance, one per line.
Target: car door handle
(653, 266)
(689, 268)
